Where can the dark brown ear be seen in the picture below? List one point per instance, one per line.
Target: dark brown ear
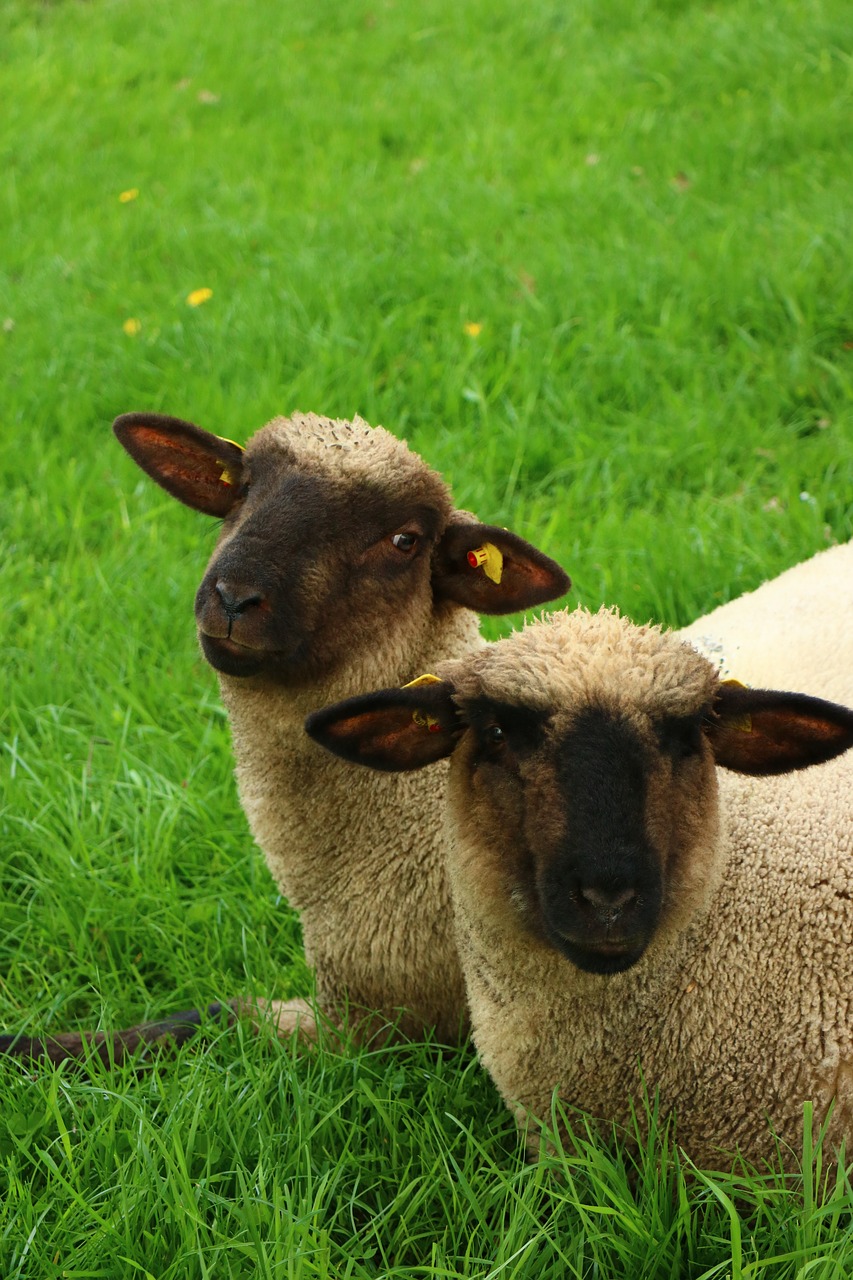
(194, 466)
(761, 731)
(493, 571)
(393, 730)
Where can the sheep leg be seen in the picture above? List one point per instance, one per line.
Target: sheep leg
(286, 1017)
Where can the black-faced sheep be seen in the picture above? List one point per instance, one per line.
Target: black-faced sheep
(341, 564)
(625, 914)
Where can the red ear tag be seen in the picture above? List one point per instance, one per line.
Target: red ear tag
(435, 727)
(489, 559)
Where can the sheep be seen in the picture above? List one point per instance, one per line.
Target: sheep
(341, 564)
(793, 632)
(626, 916)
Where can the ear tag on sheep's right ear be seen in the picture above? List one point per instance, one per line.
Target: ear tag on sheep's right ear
(742, 723)
(226, 476)
(421, 718)
(489, 559)
(424, 721)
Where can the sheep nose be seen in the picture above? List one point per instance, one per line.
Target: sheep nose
(607, 905)
(236, 600)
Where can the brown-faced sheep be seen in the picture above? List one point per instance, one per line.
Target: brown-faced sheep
(341, 564)
(624, 913)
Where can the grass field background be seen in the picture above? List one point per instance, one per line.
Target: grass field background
(593, 260)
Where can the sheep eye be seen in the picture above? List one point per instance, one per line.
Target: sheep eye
(681, 738)
(495, 735)
(405, 542)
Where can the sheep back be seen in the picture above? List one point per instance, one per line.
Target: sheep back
(793, 632)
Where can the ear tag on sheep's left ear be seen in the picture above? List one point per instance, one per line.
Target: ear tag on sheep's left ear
(489, 559)
(421, 718)
(742, 723)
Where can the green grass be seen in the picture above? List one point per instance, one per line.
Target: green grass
(646, 208)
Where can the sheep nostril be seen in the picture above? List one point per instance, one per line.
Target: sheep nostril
(236, 601)
(607, 902)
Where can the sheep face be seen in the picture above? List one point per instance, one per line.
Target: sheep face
(592, 829)
(310, 557)
(583, 790)
(588, 812)
(336, 541)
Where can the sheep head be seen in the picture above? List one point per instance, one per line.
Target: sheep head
(336, 539)
(583, 790)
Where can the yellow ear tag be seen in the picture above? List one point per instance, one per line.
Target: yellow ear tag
(226, 476)
(421, 718)
(740, 724)
(489, 559)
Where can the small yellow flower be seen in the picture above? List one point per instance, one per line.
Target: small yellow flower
(126, 196)
(473, 329)
(132, 327)
(198, 296)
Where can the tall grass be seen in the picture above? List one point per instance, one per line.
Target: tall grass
(592, 259)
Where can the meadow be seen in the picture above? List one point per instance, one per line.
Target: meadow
(592, 259)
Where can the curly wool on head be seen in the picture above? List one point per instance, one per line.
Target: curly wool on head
(350, 451)
(566, 663)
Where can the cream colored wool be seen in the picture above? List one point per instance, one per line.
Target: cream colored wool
(360, 856)
(793, 632)
(742, 1008)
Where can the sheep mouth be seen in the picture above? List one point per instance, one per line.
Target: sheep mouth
(605, 956)
(230, 657)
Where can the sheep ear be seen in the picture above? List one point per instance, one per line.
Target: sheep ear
(761, 731)
(493, 571)
(194, 466)
(393, 730)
